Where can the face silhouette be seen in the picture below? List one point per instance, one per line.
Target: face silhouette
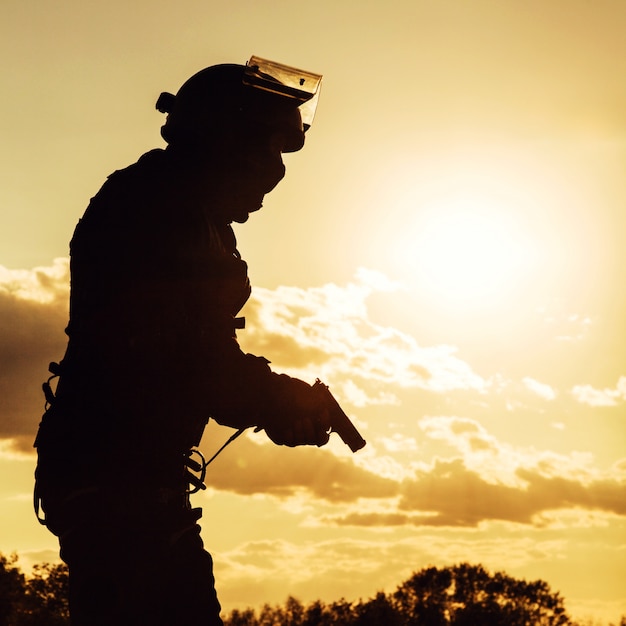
(252, 166)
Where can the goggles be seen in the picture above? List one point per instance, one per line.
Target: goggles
(287, 82)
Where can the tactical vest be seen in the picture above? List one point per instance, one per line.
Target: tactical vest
(156, 285)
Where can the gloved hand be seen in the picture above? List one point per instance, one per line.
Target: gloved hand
(297, 416)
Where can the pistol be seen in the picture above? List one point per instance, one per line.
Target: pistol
(340, 422)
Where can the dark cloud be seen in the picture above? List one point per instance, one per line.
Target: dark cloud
(285, 350)
(451, 495)
(448, 494)
(376, 519)
(247, 468)
(463, 497)
(31, 335)
(279, 347)
(558, 492)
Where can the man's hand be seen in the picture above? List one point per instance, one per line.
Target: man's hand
(300, 417)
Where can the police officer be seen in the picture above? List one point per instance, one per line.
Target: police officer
(156, 287)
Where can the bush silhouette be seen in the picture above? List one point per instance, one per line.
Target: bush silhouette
(459, 595)
(39, 600)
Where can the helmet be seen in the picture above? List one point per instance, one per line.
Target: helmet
(260, 92)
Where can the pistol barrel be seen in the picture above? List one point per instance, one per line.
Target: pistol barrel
(340, 422)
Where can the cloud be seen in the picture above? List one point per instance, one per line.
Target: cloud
(499, 462)
(33, 314)
(461, 497)
(322, 331)
(481, 450)
(326, 332)
(41, 284)
(565, 327)
(250, 468)
(541, 389)
(450, 495)
(268, 571)
(319, 332)
(263, 571)
(493, 483)
(586, 394)
(578, 328)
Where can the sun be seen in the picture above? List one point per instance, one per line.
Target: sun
(468, 235)
(469, 252)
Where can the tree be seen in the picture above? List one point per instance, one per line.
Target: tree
(242, 618)
(378, 610)
(47, 596)
(12, 589)
(339, 613)
(294, 612)
(39, 600)
(424, 598)
(465, 595)
(460, 595)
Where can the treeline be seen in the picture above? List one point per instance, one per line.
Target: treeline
(38, 600)
(461, 595)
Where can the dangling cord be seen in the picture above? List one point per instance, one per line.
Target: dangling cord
(55, 370)
(230, 440)
(198, 481)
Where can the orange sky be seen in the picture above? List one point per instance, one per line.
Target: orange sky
(447, 252)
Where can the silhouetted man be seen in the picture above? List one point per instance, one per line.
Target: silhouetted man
(156, 286)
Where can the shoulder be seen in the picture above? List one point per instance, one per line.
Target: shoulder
(150, 168)
(144, 182)
(126, 199)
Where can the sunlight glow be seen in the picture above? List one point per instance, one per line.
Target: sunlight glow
(471, 251)
(468, 255)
